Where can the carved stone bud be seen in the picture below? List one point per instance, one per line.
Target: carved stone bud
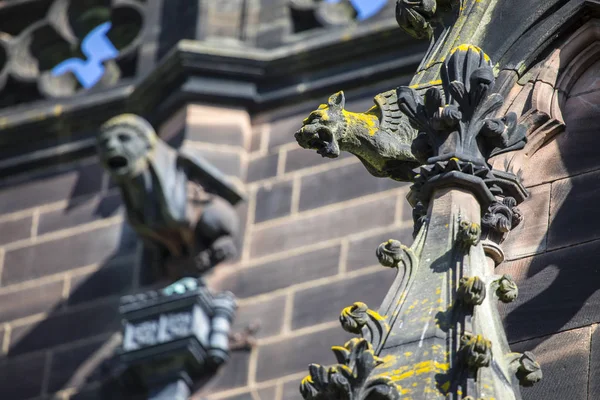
(353, 318)
(471, 291)
(476, 350)
(390, 253)
(529, 371)
(468, 235)
(507, 290)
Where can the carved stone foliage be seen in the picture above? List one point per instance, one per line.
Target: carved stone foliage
(417, 17)
(461, 124)
(506, 289)
(351, 378)
(176, 201)
(500, 218)
(28, 58)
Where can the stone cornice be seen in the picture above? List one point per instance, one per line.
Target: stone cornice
(257, 79)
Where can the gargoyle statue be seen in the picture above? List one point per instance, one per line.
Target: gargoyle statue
(382, 137)
(177, 202)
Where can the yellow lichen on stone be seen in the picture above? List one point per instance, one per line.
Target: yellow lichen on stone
(467, 47)
(367, 120)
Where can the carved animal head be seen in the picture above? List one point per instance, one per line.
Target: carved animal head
(324, 127)
(124, 144)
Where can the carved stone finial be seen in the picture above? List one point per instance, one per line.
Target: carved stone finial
(176, 201)
(471, 291)
(476, 350)
(468, 235)
(390, 253)
(529, 371)
(414, 17)
(507, 290)
(500, 218)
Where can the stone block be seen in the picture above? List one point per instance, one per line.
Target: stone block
(574, 214)
(82, 212)
(268, 314)
(564, 358)
(313, 229)
(110, 280)
(22, 378)
(262, 167)
(341, 184)
(65, 327)
(31, 300)
(273, 201)
(294, 354)
(557, 291)
(324, 303)
(270, 276)
(299, 158)
(49, 257)
(51, 187)
(13, 229)
(529, 237)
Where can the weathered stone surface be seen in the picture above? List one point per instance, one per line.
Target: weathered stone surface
(262, 167)
(587, 82)
(328, 225)
(231, 134)
(324, 303)
(594, 382)
(78, 250)
(228, 162)
(564, 358)
(82, 212)
(233, 374)
(557, 291)
(340, 184)
(298, 158)
(291, 391)
(268, 314)
(273, 201)
(283, 129)
(32, 300)
(310, 348)
(279, 274)
(65, 327)
(529, 237)
(361, 252)
(48, 188)
(21, 378)
(574, 200)
(14, 229)
(75, 366)
(110, 280)
(572, 152)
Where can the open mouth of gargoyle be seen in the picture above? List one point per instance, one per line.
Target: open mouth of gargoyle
(117, 162)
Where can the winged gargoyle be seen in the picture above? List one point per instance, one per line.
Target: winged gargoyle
(176, 201)
(381, 137)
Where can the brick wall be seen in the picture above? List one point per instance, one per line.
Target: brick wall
(66, 257)
(311, 229)
(313, 225)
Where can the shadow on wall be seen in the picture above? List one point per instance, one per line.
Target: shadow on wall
(83, 331)
(559, 286)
